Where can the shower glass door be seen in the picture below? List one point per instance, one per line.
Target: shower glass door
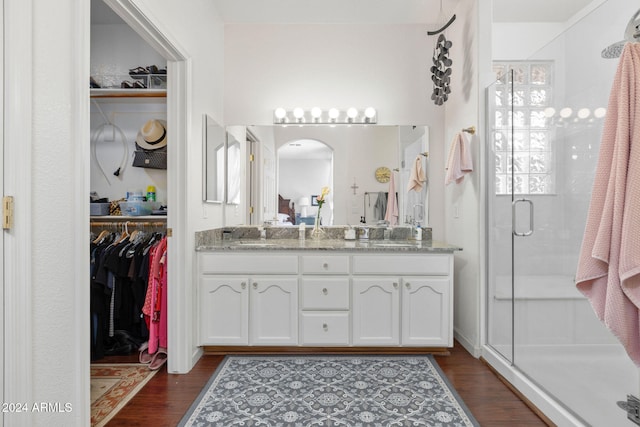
(545, 120)
(500, 239)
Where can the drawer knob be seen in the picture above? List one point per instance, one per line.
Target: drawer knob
(325, 291)
(255, 285)
(325, 327)
(325, 265)
(243, 285)
(395, 285)
(408, 285)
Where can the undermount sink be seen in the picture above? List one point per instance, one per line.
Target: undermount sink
(393, 244)
(258, 244)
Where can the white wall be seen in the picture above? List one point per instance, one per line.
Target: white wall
(384, 66)
(463, 215)
(58, 179)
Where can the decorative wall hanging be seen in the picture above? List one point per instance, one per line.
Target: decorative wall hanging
(441, 71)
(441, 68)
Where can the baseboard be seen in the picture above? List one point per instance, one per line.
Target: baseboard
(436, 351)
(471, 348)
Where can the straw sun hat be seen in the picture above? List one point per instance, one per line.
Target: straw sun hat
(153, 135)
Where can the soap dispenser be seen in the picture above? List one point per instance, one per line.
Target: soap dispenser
(417, 232)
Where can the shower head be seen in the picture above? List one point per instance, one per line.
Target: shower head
(614, 50)
(631, 34)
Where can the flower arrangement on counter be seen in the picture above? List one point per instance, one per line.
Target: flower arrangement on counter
(317, 231)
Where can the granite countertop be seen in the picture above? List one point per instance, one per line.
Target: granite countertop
(337, 245)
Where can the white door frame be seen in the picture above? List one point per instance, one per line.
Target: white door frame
(17, 94)
(181, 348)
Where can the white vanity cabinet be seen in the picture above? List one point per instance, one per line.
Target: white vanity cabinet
(273, 311)
(376, 311)
(330, 299)
(408, 302)
(248, 300)
(224, 305)
(324, 313)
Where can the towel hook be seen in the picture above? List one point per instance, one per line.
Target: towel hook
(470, 129)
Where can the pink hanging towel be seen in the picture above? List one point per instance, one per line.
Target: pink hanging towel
(608, 272)
(392, 203)
(459, 161)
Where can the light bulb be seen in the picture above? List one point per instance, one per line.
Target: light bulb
(549, 112)
(334, 113)
(298, 113)
(600, 112)
(566, 112)
(370, 112)
(352, 113)
(316, 112)
(280, 113)
(583, 113)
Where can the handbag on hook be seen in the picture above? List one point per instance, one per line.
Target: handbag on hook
(151, 146)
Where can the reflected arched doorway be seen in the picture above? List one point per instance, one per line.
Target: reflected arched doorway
(305, 166)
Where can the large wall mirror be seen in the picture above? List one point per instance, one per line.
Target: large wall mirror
(345, 158)
(213, 169)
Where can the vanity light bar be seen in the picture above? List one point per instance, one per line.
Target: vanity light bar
(332, 116)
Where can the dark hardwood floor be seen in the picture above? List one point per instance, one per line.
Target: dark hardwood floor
(166, 397)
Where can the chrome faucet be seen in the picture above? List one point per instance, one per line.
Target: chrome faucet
(420, 216)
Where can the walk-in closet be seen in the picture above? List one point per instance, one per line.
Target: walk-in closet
(128, 200)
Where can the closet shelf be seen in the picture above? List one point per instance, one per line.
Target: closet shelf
(128, 93)
(122, 218)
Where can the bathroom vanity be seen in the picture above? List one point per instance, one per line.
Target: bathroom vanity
(329, 293)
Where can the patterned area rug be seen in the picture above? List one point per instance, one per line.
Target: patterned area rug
(112, 386)
(326, 391)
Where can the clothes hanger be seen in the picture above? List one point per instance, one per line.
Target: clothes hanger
(101, 236)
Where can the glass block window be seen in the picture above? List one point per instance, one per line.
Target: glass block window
(527, 152)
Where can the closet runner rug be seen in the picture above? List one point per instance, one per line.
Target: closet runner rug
(328, 391)
(112, 386)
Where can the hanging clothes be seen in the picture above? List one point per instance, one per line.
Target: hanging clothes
(459, 161)
(380, 207)
(119, 281)
(608, 272)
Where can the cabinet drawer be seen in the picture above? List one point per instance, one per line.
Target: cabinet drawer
(428, 265)
(325, 294)
(215, 263)
(325, 328)
(325, 264)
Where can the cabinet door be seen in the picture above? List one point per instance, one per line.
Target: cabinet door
(224, 311)
(274, 311)
(426, 311)
(376, 311)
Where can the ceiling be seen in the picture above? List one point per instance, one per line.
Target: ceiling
(369, 11)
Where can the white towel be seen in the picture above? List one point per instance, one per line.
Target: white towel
(459, 162)
(392, 203)
(416, 177)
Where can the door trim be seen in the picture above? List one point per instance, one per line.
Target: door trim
(181, 304)
(18, 66)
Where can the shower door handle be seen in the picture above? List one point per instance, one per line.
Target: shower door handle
(513, 218)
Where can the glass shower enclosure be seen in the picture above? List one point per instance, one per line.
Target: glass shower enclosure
(545, 117)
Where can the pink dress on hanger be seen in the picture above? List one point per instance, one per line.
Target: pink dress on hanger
(153, 307)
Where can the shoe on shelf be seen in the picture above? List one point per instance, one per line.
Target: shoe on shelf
(138, 71)
(126, 84)
(93, 84)
(139, 85)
